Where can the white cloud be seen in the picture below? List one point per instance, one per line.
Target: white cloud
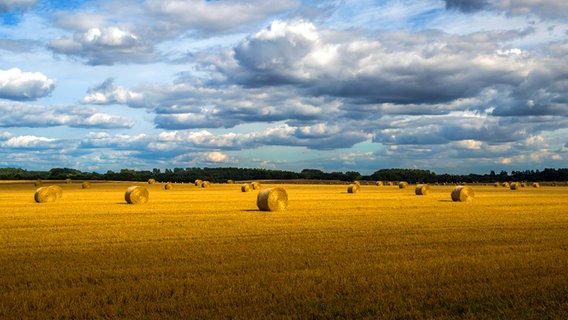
(18, 85)
(104, 46)
(217, 157)
(16, 114)
(32, 142)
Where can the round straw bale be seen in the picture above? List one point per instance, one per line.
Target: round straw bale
(402, 184)
(272, 199)
(422, 189)
(379, 183)
(45, 194)
(246, 187)
(497, 184)
(462, 193)
(68, 181)
(505, 184)
(356, 182)
(536, 185)
(198, 183)
(136, 195)
(151, 181)
(515, 186)
(205, 184)
(353, 188)
(57, 190)
(230, 181)
(389, 183)
(38, 183)
(169, 186)
(86, 184)
(255, 185)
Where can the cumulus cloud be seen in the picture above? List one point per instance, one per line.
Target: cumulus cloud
(25, 115)
(210, 16)
(12, 5)
(18, 85)
(109, 93)
(31, 142)
(396, 67)
(104, 46)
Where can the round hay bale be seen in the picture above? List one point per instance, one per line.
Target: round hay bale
(169, 186)
(45, 194)
(255, 185)
(379, 183)
(389, 183)
(230, 181)
(246, 187)
(205, 184)
(402, 184)
(422, 190)
(496, 184)
(198, 183)
(505, 184)
(273, 199)
(38, 183)
(86, 184)
(515, 186)
(356, 182)
(68, 181)
(462, 194)
(353, 188)
(136, 195)
(151, 181)
(536, 185)
(57, 190)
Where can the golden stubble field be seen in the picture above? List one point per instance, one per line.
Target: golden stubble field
(209, 253)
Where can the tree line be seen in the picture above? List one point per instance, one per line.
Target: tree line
(220, 175)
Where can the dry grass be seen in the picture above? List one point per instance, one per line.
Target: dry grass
(209, 253)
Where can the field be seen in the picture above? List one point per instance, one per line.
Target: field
(203, 253)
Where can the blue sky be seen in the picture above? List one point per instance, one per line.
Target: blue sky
(452, 86)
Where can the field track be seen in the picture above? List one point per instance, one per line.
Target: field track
(209, 253)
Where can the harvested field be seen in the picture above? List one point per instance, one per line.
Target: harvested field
(201, 253)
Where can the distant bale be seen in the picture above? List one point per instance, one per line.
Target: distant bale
(205, 184)
(462, 194)
(353, 188)
(273, 199)
(169, 186)
(505, 184)
(497, 184)
(356, 182)
(151, 181)
(379, 183)
(198, 183)
(136, 195)
(68, 181)
(536, 185)
(402, 184)
(230, 181)
(255, 185)
(515, 186)
(38, 183)
(389, 183)
(246, 187)
(86, 184)
(523, 184)
(48, 194)
(422, 189)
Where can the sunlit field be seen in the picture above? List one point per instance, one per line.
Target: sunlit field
(201, 253)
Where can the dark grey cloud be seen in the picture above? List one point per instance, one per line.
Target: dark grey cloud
(14, 5)
(466, 5)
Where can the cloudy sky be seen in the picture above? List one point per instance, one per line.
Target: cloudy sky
(453, 86)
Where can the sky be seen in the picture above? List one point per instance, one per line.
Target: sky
(452, 86)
